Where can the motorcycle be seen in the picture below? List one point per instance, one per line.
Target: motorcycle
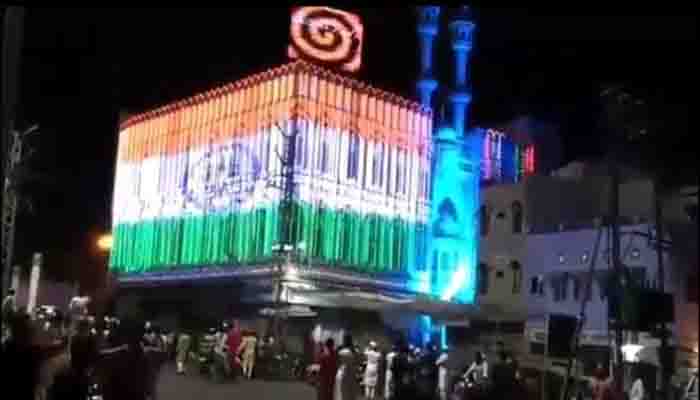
(468, 388)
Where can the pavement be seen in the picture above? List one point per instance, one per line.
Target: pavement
(194, 386)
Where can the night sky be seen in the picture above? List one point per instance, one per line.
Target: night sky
(81, 67)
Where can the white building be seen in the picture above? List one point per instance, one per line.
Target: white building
(538, 232)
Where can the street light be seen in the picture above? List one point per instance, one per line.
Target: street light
(105, 242)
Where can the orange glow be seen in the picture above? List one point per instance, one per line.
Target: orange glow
(105, 242)
(328, 36)
(244, 108)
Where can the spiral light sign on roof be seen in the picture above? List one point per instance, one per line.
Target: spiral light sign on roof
(326, 36)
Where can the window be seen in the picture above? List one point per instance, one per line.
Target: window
(483, 278)
(323, 156)
(484, 220)
(517, 217)
(377, 164)
(517, 276)
(692, 292)
(562, 258)
(537, 285)
(500, 274)
(423, 184)
(300, 151)
(235, 160)
(576, 292)
(354, 156)
(401, 171)
(565, 286)
(533, 285)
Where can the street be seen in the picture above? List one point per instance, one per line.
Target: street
(193, 386)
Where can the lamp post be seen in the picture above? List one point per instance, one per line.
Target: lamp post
(105, 242)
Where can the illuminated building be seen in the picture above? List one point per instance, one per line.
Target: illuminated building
(381, 202)
(198, 183)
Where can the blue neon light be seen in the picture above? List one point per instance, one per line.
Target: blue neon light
(452, 256)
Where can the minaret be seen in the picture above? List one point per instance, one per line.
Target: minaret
(428, 20)
(461, 31)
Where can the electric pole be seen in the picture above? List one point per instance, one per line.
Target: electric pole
(12, 30)
(615, 102)
(285, 246)
(15, 174)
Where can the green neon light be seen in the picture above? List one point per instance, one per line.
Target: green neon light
(341, 239)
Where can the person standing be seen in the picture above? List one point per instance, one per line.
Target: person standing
(233, 342)
(389, 375)
(637, 390)
(402, 374)
(443, 376)
(345, 383)
(328, 361)
(600, 386)
(182, 350)
(247, 353)
(372, 370)
(479, 369)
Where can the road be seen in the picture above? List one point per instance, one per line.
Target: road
(193, 386)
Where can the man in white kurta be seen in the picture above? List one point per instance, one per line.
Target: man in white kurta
(443, 377)
(389, 375)
(372, 370)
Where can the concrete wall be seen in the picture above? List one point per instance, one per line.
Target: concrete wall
(501, 246)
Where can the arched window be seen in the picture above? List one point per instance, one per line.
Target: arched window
(517, 211)
(483, 278)
(484, 220)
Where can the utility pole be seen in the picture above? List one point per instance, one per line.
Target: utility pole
(664, 357)
(582, 315)
(285, 245)
(12, 30)
(14, 174)
(615, 100)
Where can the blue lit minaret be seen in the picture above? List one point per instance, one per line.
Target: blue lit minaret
(454, 202)
(461, 38)
(428, 20)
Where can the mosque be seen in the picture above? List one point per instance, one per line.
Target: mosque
(304, 187)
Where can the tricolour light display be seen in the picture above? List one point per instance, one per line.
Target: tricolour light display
(198, 182)
(504, 160)
(327, 36)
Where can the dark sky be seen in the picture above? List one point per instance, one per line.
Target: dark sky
(82, 66)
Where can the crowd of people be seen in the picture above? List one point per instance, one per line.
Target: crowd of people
(77, 357)
(409, 372)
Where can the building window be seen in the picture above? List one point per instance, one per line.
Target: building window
(537, 285)
(500, 274)
(401, 172)
(517, 211)
(484, 220)
(562, 258)
(353, 156)
(517, 276)
(423, 184)
(565, 286)
(377, 164)
(576, 292)
(483, 278)
(300, 151)
(323, 156)
(692, 290)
